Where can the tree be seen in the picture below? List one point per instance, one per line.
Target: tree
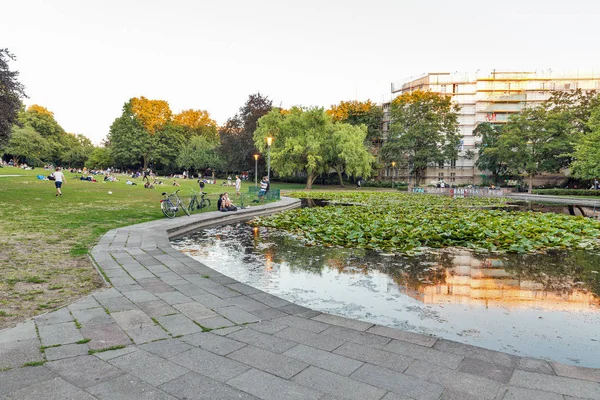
(308, 140)
(535, 141)
(359, 113)
(197, 123)
(100, 158)
(199, 154)
(424, 131)
(78, 148)
(587, 150)
(576, 107)
(42, 121)
(237, 145)
(489, 156)
(128, 140)
(11, 93)
(346, 151)
(153, 115)
(25, 143)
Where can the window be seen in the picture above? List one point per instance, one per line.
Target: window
(441, 176)
(443, 89)
(452, 177)
(441, 164)
(454, 88)
(453, 163)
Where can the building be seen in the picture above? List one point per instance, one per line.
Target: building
(486, 97)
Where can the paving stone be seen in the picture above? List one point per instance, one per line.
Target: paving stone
(243, 288)
(127, 387)
(193, 386)
(178, 324)
(56, 388)
(268, 361)
(517, 393)
(477, 386)
(386, 359)
(94, 316)
(154, 285)
(449, 360)
(211, 301)
(19, 378)
(107, 294)
(268, 313)
(398, 383)
(156, 308)
(452, 394)
(145, 334)
(209, 364)
(191, 290)
(105, 335)
(262, 340)
(269, 387)
(267, 327)
(84, 304)
(149, 367)
(131, 319)
(477, 352)
(62, 333)
(201, 280)
(342, 321)
(535, 365)
(54, 317)
(174, 298)
(226, 331)
(84, 371)
(110, 354)
(223, 280)
(323, 359)
(337, 385)
(140, 296)
(323, 342)
(295, 309)
(351, 335)
(302, 323)
(116, 304)
(237, 315)
(222, 291)
(15, 354)
(572, 371)
(270, 300)
(405, 336)
(213, 343)
(308, 314)
(216, 323)
(166, 348)
(66, 351)
(495, 372)
(157, 268)
(245, 303)
(140, 274)
(22, 331)
(195, 311)
(556, 384)
(394, 396)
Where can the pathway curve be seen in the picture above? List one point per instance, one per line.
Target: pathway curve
(169, 327)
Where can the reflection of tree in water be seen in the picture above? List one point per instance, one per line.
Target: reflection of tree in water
(413, 273)
(559, 272)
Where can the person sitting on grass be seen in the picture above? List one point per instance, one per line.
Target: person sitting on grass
(175, 183)
(148, 185)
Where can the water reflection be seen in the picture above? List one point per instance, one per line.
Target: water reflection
(545, 306)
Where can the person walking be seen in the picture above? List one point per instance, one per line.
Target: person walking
(238, 185)
(59, 178)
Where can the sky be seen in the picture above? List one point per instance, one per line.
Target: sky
(83, 60)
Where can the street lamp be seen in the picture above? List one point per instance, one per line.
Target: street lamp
(269, 142)
(256, 170)
(393, 169)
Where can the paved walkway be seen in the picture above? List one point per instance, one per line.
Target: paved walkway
(541, 198)
(172, 328)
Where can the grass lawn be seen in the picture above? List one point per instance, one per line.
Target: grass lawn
(44, 240)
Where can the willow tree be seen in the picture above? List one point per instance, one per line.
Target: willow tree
(424, 131)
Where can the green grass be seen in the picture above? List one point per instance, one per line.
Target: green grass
(94, 351)
(34, 363)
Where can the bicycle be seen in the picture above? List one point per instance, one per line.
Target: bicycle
(171, 204)
(199, 204)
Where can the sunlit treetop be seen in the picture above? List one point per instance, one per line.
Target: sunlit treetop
(40, 110)
(342, 111)
(194, 119)
(152, 114)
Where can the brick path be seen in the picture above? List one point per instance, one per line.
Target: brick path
(184, 331)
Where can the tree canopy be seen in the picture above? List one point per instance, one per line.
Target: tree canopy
(424, 131)
(587, 152)
(11, 93)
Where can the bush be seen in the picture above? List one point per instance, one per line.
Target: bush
(567, 192)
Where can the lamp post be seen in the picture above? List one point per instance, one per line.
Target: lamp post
(530, 148)
(393, 169)
(269, 142)
(255, 170)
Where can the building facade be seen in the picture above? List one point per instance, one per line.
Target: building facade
(491, 96)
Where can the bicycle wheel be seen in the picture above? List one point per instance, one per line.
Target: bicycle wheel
(193, 204)
(204, 203)
(168, 209)
(184, 208)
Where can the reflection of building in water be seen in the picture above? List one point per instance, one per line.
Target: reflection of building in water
(484, 282)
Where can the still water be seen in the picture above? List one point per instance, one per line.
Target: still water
(543, 306)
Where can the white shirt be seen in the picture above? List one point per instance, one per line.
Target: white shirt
(58, 176)
(238, 184)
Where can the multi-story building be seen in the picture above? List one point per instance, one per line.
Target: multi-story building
(486, 97)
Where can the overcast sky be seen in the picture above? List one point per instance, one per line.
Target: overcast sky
(83, 60)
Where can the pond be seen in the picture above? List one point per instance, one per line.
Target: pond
(544, 306)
